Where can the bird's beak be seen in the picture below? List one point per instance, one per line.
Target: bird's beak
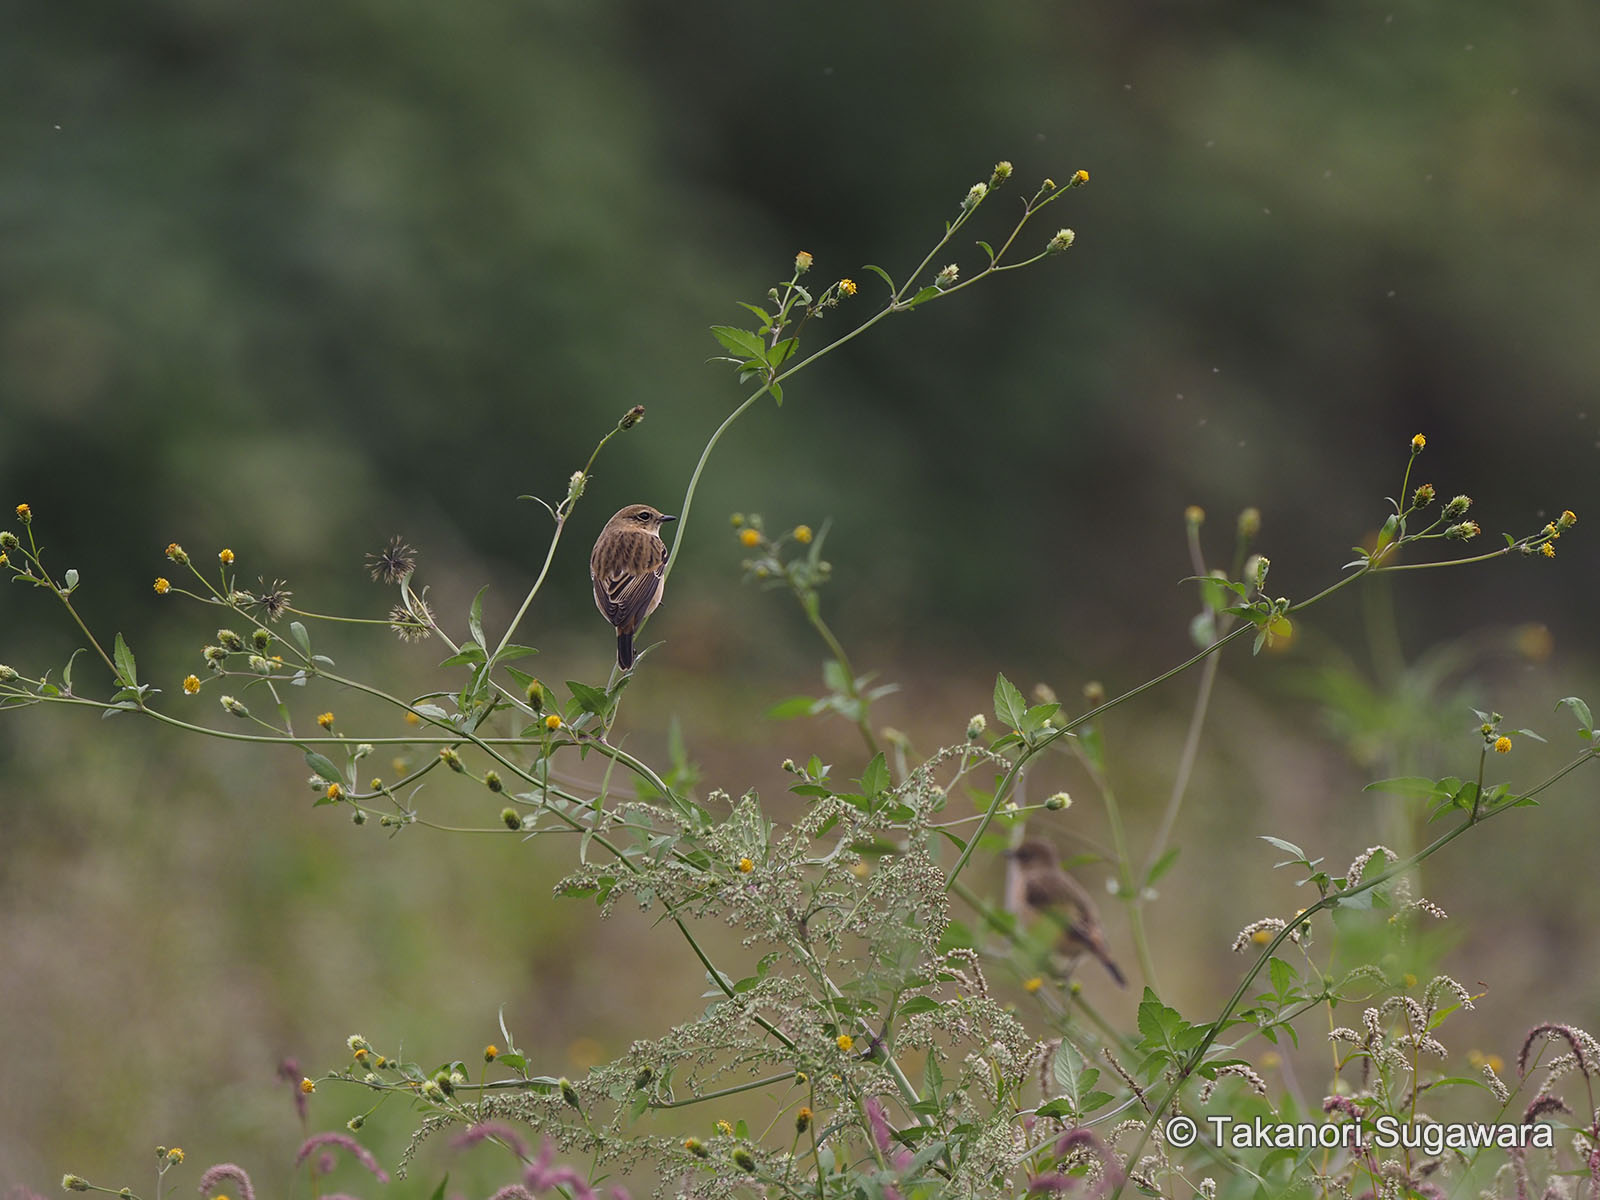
(665, 518)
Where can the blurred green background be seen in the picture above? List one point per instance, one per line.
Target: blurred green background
(298, 277)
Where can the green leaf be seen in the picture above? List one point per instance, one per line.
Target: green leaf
(794, 706)
(881, 274)
(71, 578)
(739, 341)
(127, 673)
(1580, 710)
(875, 779)
(776, 389)
(1059, 1108)
(590, 699)
(782, 351)
(1286, 847)
(763, 314)
(66, 672)
(922, 297)
(297, 631)
(467, 654)
(475, 617)
(438, 1192)
(918, 1004)
(515, 651)
(1162, 865)
(323, 767)
(1009, 706)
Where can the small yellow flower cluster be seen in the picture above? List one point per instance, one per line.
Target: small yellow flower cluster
(326, 720)
(803, 534)
(552, 722)
(191, 684)
(847, 287)
(1502, 745)
(845, 1042)
(749, 538)
(162, 586)
(226, 557)
(746, 866)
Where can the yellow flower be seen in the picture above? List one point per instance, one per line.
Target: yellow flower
(413, 719)
(847, 287)
(802, 1119)
(24, 513)
(1080, 177)
(1496, 1063)
(307, 1086)
(175, 553)
(1567, 519)
(1261, 937)
(802, 261)
(175, 1155)
(1418, 442)
(552, 722)
(335, 792)
(749, 537)
(802, 534)
(326, 720)
(1502, 745)
(1409, 980)
(226, 556)
(491, 1052)
(1547, 550)
(725, 1129)
(191, 685)
(1033, 985)
(162, 586)
(1194, 515)
(844, 1041)
(746, 866)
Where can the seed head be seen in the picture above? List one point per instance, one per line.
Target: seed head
(1062, 239)
(569, 1093)
(393, 563)
(1457, 506)
(632, 417)
(1423, 496)
(976, 726)
(975, 195)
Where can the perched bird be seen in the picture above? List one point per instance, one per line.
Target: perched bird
(1044, 889)
(626, 567)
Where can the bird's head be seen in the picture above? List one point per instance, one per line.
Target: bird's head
(640, 516)
(1033, 853)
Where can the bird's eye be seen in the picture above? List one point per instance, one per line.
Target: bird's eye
(642, 515)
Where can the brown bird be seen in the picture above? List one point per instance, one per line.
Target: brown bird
(1048, 891)
(626, 569)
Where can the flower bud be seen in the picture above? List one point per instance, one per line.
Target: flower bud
(802, 262)
(643, 1078)
(74, 1183)
(742, 1158)
(1002, 172)
(947, 276)
(262, 639)
(632, 417)
(1249, 523)
(976, 726)
(233, 706)
(1062, 239)
(975, 195)
(451, 759)
(569, 1093)
(696, 1147)
(7, 674)
(512, 818)
(1423, 496)
(491, 780)
(535, 695)
(802, 1120)
(230, 640)
(8, 541)
(1058, 802)
(177, 553)
(1457, 506)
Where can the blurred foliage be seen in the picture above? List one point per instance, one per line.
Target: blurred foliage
(294, 278)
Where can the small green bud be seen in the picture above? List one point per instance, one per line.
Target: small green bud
(576, 484)
(535, 695)
(569, 1093)
(445, 1082)
(1464, 530)
(1457, 506)
(511, 817)
(262, 639)
(215, 656)
(451, 759)
(643, 1078)
(1058, 802)
(802, 1120)
(976, 726)
(1249, 523)
(744, 1160)
(260, 665)
(358, 817)
(1423, 496)
(431, 1090)
(8, 541)
(1063, 238)
(355, 1122)
(233, 706)
(632, 417)
(74, 1183)
(1002, 172)
(230, 640)
(491, 780)
(7, 674)
(975, 195)
(696, 1147)
(947, 277)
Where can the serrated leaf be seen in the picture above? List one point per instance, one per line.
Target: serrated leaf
(782, 351)
(875, 779)
(475, 617)
(127, 671)
(323, 767)
(1286, 847)
(1009, 706)
(739, 341)
(1580, 710)
(590, 699)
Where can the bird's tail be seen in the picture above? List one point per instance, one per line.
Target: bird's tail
(1116, 971)
(625, 651)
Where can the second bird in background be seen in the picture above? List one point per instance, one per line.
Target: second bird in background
(1045, 890)
(627, 568)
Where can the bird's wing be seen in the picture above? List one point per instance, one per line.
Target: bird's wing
(1064, 901)
(626, 590)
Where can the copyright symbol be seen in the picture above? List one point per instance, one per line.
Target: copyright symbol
(1181, 1131)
